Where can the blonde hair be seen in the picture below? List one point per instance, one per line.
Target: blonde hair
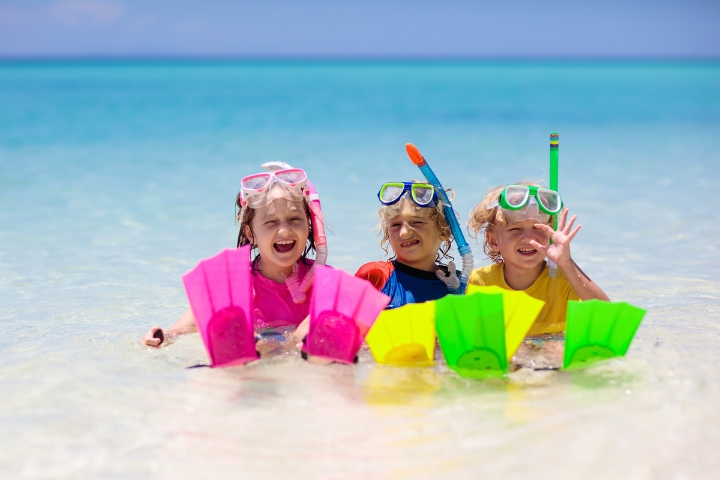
(435, 214)
(483, 219)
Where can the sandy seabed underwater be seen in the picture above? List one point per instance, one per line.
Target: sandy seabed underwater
(116, 178)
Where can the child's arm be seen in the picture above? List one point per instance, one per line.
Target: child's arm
(559, 252)
(186, 324)
(583, 285)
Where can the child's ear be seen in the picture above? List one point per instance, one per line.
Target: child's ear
(248, 234)
(491, 240)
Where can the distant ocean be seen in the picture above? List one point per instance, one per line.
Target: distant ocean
(117, 177)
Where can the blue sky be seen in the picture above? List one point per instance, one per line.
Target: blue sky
(368, 28)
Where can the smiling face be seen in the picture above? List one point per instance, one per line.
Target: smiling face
(280, 230)
(414, 237)
(512, 241)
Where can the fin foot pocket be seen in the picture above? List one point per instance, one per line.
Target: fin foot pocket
(229, 338)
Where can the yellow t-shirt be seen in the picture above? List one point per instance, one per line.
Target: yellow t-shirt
(555, 292)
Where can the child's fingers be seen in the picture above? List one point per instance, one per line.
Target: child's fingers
(546, 228)
(153, 338)
(569, 225)
(542, 248)
(573, 233)
(561, 220)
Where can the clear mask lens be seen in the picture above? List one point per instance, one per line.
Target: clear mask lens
(516, 196)
(423, 195)
(256, 182)
(550, 200)
(391, 193)
(292, 176)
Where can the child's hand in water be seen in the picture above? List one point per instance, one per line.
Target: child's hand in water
(559, 251)
(153, 337)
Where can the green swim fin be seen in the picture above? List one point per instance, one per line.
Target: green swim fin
(597, 330)
(519, 311)
(471, 330)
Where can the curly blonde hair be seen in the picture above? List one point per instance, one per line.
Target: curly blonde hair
(483, 219)
(435, 214)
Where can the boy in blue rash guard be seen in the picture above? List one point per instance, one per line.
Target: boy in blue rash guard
(412, 222)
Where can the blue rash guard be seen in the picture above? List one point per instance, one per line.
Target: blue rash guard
(401, 283)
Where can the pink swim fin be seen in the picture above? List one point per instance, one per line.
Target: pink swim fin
(220, 294)
(342, 310)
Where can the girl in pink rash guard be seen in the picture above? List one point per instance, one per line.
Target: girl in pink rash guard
(280, 218)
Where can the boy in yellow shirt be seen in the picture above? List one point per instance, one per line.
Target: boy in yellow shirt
(516, 221)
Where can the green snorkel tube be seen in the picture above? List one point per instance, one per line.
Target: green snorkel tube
(463, 247)
(554, 147)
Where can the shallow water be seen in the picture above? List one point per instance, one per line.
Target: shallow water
(116, 178)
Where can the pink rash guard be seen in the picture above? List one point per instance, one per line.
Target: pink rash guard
(274, 306)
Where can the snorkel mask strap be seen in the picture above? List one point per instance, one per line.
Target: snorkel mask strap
(298, 290)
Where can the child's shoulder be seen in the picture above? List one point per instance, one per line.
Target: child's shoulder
(488, 275)
(376, 273)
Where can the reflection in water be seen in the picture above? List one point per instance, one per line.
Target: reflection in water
(392, 385)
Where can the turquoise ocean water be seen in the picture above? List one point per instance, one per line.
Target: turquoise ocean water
(117, 177)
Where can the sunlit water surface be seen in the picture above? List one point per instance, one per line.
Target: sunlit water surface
(115, 179)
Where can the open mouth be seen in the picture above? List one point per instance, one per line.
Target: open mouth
(284, 246)
(527, 252)
(410, 243)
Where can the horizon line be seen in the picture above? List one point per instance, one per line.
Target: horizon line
(168, 58)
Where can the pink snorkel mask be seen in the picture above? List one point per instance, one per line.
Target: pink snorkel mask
(289, 183)
(284, 181)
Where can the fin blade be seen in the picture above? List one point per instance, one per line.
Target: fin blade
(626, 325)
(597, 330)
(404, 335)
(220, 293)
(471, 329)
(343, 309)
(519, 310)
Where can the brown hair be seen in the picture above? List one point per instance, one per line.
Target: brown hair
(244, 216)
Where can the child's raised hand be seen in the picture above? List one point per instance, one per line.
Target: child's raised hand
(559, 250)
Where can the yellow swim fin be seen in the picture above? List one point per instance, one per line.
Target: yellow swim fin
(519, 310)
(404, 336)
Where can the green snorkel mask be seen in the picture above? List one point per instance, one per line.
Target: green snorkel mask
(525, 202)
(515, 197)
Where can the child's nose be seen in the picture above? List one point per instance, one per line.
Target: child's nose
(405, 230)
(284, 227)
